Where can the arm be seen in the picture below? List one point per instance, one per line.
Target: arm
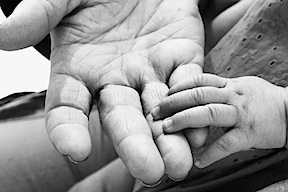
(220, 16)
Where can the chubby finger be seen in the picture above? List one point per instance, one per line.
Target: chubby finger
(197, 136)
(231, 142)
(31, 21)
(202, 116)
(199, 80)
(174, 148)
(182, 74)
(187, 99)
(67, 108)
(123, 120)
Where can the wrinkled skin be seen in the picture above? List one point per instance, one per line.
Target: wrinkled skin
(122, 55)
(253, 108)
(107, 180)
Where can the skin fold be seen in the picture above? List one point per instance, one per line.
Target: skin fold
(122, 56)
(213, 34)
(253, 109)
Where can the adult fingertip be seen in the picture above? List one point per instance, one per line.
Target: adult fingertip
(142, 158)
(73, 141)
(76, 162)
(178, 179)
(75, 153)
(176, 155)
(151, 185)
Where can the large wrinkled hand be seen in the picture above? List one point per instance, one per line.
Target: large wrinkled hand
(253, 108)
(119, 54)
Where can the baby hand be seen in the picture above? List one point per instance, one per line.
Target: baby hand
(254, 109)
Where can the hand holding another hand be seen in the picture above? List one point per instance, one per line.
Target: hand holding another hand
(253, 108)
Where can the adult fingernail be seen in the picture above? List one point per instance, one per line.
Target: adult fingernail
(155, 112)
(75, 162)
(179, 179)
(167, 123)
(151, 185)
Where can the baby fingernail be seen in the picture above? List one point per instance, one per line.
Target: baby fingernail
(197, 163)
(155, 112)
(151, 185)
(167, 123)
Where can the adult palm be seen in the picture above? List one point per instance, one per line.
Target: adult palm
(119, 54)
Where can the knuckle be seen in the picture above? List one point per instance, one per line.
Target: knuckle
(228, 95)
(224, 144)
(244, 136)
(170, 101)
(199, 80)
(197, 96)
(212, 113)
(186, 117)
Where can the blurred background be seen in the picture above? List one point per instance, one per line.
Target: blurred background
(22, 70)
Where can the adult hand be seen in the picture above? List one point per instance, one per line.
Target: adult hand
(119, 54)
(254, 109)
